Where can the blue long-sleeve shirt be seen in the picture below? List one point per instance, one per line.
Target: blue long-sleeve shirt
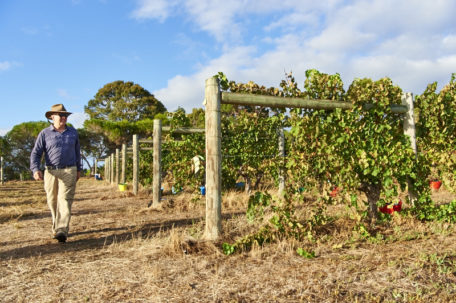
(60, 149)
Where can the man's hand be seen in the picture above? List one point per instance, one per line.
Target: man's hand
(38, 175)
(78, 175)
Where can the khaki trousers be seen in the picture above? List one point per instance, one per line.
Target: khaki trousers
(60, 185)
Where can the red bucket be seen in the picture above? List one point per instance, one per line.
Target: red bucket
(435, 184)
(335, 191)
(390, 208)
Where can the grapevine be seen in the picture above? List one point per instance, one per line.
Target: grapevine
(358, 150)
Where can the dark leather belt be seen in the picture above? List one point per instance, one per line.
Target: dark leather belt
(59, 166)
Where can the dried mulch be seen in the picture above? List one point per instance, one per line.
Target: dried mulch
(120, 250)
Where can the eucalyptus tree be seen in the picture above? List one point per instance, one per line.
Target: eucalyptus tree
(117, 107)
(20, 141)
(119, 101)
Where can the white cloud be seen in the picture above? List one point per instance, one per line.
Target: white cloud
(216, 17)
(8, 65)
(385, 17)
(293, 21)
(188, 91)
(337, 39)
(77, 119)
(4, 131)
(412, 42)
(410, 75)
(449, 43)
(153, 9)
(227, 20)
(5, 65)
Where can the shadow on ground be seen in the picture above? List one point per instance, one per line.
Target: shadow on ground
(117, 235)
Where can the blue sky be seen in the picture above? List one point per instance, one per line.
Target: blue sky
(63, 51)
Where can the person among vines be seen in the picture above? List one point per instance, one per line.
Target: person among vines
(60, 144)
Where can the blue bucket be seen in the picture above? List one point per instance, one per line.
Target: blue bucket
(203, 190)
(240, 185)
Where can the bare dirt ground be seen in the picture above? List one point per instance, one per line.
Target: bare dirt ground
(119, 250)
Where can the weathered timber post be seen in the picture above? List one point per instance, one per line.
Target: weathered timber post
(409, 120)
(106, 169)
(156, 183)
(117, 165)
(109, 168)
(409, 130)
(95, 164)
(135, 164)
(112, 167)
(1, 170)
(108, 165)
(213, 160)
(282, 159)
(124, 163)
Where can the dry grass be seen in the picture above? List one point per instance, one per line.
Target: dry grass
(120, 250)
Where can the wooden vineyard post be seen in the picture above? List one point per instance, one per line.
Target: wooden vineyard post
(117, 165)
(213, 159)
(409, 130)
(106, 169)
(1, 170)
(95, 164)
(135, 164)
(156, 183)
(108, 178)
(111, 166)
(108, 165)
(282, 159)
(409, 120)
(108, 162)
(124, 163)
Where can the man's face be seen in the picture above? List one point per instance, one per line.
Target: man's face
(59, 119)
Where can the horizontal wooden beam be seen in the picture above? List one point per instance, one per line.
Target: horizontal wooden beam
(184, 130)
(282, 102)
(146, 141)
(395, 108)
(271, 101)
(130, 149)
(181, 130)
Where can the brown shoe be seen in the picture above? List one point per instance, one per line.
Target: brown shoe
(60, 236)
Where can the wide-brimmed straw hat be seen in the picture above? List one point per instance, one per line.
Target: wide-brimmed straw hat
(57, 109)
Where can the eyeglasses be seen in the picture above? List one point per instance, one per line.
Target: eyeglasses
(62, 115)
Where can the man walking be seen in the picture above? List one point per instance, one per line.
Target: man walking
(60, 144)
